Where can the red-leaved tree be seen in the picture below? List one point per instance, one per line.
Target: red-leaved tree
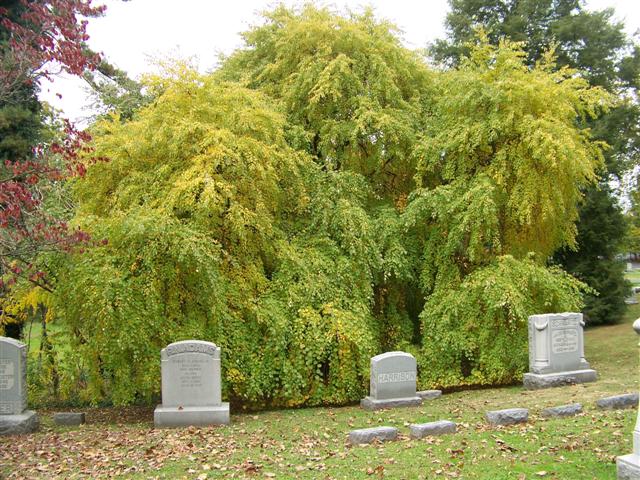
(40, 38)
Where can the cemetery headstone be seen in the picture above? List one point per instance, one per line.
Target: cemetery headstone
(556, 351)
(191, 386)
(369, 435)
(393, 382)
(14, 416)
(421, 430)
(510, 416)
(562, 410)
(69, 419)
(618, 402)
(631, 298)
(628, 466)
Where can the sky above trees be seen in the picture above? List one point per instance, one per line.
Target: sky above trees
(132, 34)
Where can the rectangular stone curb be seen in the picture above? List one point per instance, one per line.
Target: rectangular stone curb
(421, 430)
(369, 403)
(170, 417)
(617, 402)
(535, 381)
(510, 416)
(368, 435)
(26, 422)
(429, 394)
(68, 418)
(562, 410)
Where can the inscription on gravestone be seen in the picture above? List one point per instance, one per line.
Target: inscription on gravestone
(191, 385)
(392, 381)
(14, 416)
(556, 351)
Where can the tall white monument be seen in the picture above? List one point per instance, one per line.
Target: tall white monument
(629, 465)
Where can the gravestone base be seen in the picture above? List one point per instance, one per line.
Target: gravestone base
(534, 381)
(369, 403)
(26, 422)
(201, 416)
(628, 467)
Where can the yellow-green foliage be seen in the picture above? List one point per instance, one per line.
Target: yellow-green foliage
(322, 198)
(357, 94)
(501, 168)
(212, 233)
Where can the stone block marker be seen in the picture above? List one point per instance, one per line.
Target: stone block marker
(14, 416)
(392, 382)
(368, 435)
(618, 402)
(562, 410)
(510, 416)
(191, 386)
(68, 418)
(429, 394)
(421, 430)
(556, 351)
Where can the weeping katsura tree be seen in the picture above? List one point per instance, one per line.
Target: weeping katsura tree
(500, 171)
(321, 198)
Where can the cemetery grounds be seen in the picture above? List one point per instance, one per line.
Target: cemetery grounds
(312, 443)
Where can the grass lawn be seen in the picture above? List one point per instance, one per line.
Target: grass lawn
(633, 277)
(311, 443)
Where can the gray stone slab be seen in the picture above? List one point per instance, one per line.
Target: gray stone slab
(556, 343)
(392, 382)
(171, 417)
(534, 381)
(368, 435)
(69, 418)
(429, 394)
(562, 410)
(421, 430)
(393, 375)
(191, 374)
(369, 403)
(191, 386)
(510, 416)
(13, 376)
(22, 423)
(617, 402)
(628, 467)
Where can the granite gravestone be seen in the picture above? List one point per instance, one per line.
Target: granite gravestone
(14, 416)
(393, 382)
(191, 386)
(556, 351)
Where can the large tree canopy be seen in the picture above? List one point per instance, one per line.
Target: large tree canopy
(595, 45)
(321, 198)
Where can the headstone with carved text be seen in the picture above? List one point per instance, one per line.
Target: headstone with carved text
(393, 382)
(191, 386)
(14, 416)
(556, 351)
